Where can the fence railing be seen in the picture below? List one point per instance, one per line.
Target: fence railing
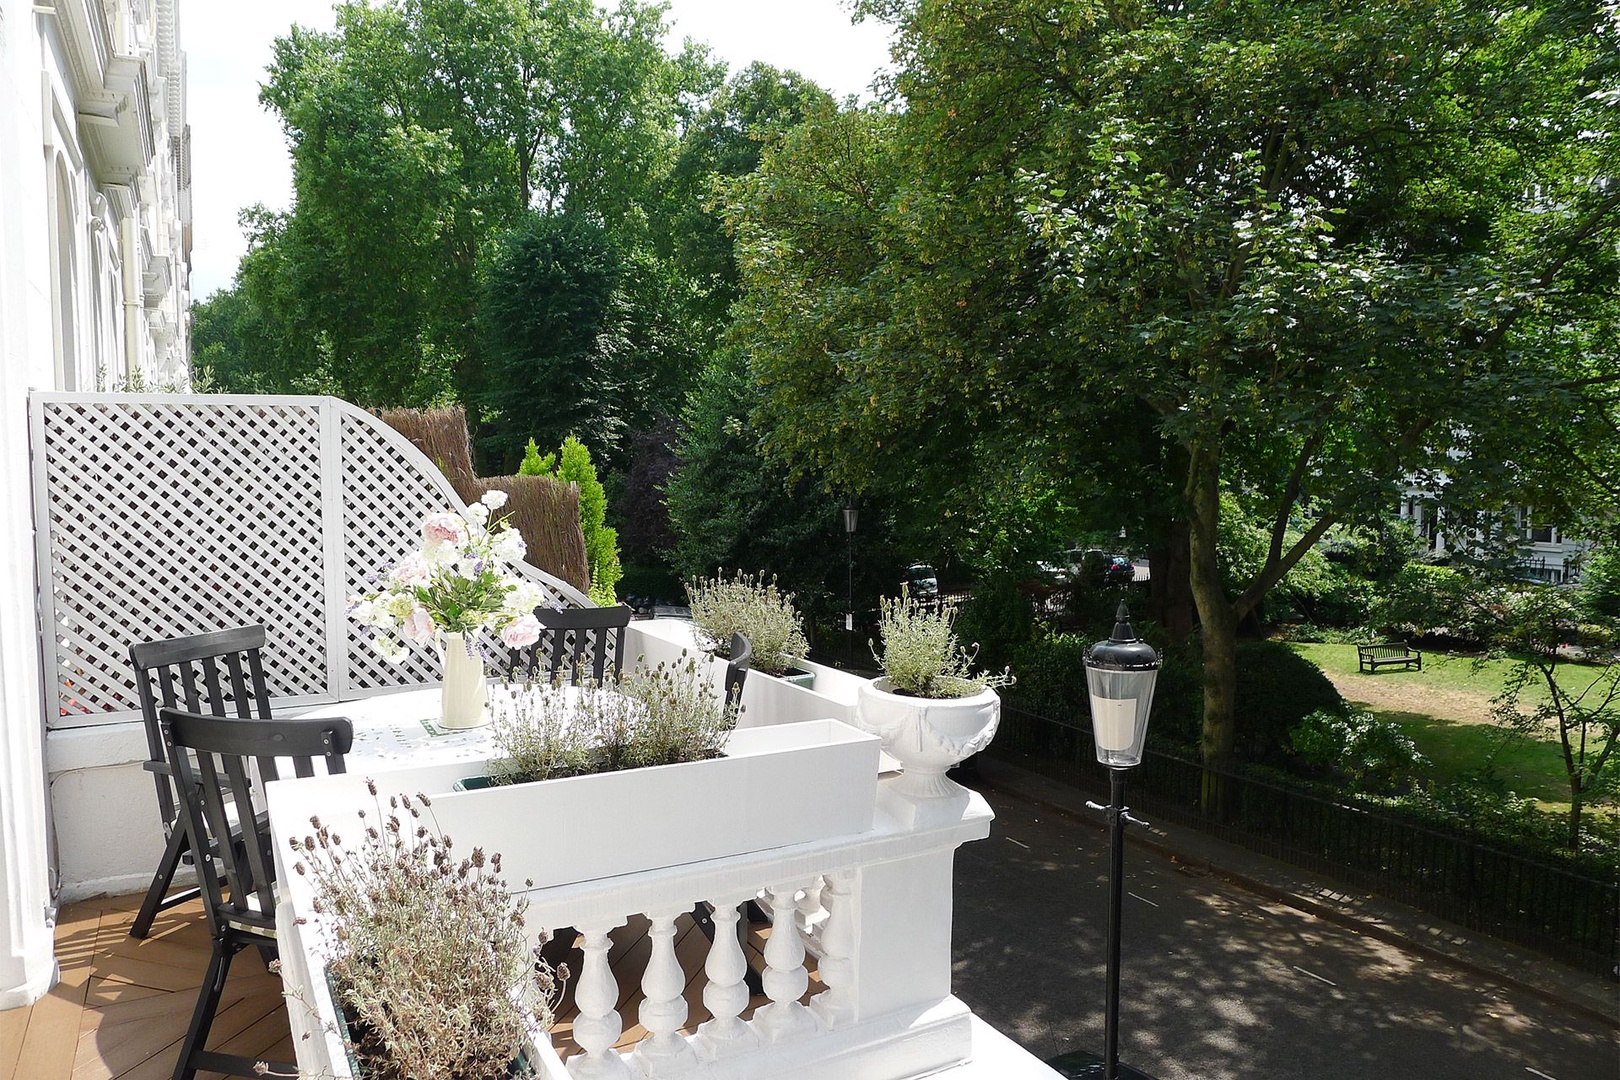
(1454, 874)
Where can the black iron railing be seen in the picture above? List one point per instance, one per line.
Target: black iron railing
(1453, 873)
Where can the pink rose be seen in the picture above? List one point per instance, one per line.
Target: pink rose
(521, 632)
(412, 570)
(418, 625)
(444, 529)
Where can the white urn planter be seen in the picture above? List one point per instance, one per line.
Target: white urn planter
(927, 735)
(465, 690)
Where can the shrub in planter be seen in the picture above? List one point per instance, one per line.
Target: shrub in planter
(426, 951)
(749, 605)
(648, 716)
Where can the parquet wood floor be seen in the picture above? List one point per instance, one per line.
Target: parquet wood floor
(122, 1005)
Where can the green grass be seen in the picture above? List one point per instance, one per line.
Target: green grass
(1441, 671)
(1532, 769)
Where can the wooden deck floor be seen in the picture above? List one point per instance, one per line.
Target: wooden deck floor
(122, 1006)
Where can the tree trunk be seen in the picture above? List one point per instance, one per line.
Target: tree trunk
(1219, 621)
(1575, 794)
(1170, 583)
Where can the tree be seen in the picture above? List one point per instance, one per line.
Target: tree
(572, 464)
(422, 129)
(552, 325)
(1573, 662)
(1313, 247)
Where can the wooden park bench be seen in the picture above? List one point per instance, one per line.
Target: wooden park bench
(1387, 653)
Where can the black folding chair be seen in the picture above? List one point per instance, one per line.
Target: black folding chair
(211, 759)
(574, 642)
(218, 673)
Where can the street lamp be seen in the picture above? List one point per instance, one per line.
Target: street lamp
(852, 515)
(1120, 674)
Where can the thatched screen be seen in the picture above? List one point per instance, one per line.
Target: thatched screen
(544, 509)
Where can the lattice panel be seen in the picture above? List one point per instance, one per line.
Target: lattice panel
(385, 499)
(168, 519)
(161, 516)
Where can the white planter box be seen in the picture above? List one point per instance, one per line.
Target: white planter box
(778, 785)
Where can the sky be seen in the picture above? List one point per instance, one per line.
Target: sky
(239, 154)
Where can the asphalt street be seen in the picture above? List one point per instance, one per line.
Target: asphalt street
(1221, 983)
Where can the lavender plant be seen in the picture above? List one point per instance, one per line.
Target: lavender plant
(649, 716)
(427, 951)
(749, 605)
(921, 655)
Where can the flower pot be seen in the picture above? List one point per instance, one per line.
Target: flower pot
(799, 677)
(519, 1067)
(465, 690)
(927, 735)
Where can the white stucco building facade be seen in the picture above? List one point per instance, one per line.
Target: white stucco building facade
(95, 241)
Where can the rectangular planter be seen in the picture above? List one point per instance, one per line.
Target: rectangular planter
(776, 786)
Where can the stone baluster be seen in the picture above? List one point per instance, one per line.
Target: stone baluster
(665, 1051)
(811, 912)
(726, 994)
(598, 1026)
(785, 978)
(836, 1004)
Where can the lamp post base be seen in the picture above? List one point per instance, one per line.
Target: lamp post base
(1079, 1065)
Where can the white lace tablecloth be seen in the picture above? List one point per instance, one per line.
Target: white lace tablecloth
(394, 731)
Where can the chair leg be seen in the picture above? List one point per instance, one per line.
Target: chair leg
(157, 892)
(202, 1018)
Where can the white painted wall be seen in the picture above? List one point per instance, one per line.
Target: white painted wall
(70, 213)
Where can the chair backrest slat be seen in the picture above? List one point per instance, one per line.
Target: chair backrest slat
(574, 641)
(742, 658)
(185, 673)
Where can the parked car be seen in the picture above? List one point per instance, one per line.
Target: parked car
(1096, 565)
(922, 581)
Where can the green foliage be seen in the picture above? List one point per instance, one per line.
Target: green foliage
(996, 619)
(554, 335)
(1277, 688)
(1600, 584)
(572, 464)
(1373, 754)
(533, 464)
(1422, 600)
(749, 605)
(1288, 252)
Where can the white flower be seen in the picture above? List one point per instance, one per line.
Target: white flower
(477, 513)
(389, 648)
(508, 545)
(524, 597)
(440, 554)
(521, 632)
(494, 499)
(362, 611)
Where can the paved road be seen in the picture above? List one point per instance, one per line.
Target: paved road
(1219, 983)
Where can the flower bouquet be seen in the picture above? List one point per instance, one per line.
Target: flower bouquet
(457, 585)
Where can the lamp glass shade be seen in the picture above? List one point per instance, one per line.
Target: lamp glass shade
(1120, 702)
(851, 515)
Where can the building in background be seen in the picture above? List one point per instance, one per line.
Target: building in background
(95, 241)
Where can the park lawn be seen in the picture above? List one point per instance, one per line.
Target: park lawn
(1443, 675)
(1445, 710)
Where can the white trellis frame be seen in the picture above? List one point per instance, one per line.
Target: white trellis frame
(159, 515)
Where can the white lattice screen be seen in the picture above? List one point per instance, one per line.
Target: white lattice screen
(161, 515)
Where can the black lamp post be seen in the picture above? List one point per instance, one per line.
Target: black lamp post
(1120, 674)
(851, 518)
